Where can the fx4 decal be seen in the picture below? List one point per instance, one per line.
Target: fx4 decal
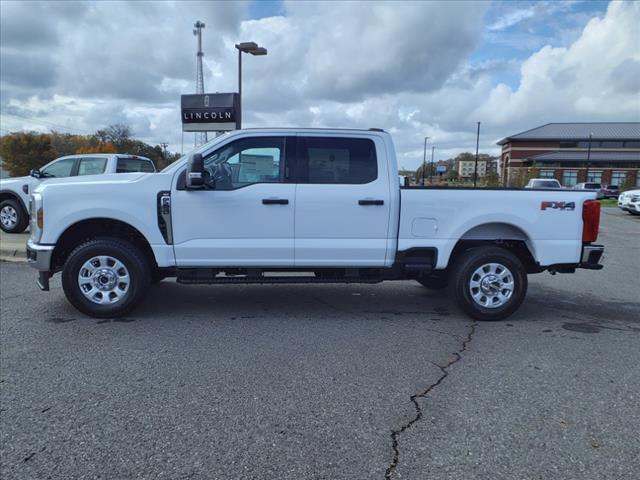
(558, 205)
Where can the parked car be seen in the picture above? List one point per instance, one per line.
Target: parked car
(594, 187)
(629, 201)
(241, 210)
(543, 183)
(611, 191)
(14, 192)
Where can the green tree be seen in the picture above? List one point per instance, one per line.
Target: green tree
(23, 151)
(492, 179)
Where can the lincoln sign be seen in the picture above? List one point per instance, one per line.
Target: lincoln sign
(209, 112)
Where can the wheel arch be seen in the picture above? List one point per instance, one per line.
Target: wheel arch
(500, 234)
(11, 195)
(89, 229)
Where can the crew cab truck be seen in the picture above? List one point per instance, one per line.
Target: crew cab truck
(14, 192)
(302, 205)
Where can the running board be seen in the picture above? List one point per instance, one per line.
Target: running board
(191, 279)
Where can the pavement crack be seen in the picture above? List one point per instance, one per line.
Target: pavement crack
(444, 369)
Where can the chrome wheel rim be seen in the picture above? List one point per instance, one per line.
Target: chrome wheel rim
(8, 216)
(491, 285)
(104, 280)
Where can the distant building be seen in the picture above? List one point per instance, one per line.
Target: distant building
(560, 151)
(466, 168)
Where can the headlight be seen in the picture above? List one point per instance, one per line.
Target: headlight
(36, 217)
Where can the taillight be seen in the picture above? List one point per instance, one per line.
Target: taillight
(590, 220)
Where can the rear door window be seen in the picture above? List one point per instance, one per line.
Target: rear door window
(92, 165)
(130, 164)
(331, 160)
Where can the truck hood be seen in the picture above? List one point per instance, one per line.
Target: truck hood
(102, 179)
(13, 182)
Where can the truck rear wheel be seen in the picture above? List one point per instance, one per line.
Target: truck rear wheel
(489, 283)
(106, 277)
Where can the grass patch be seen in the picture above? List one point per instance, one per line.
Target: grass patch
(608, 202)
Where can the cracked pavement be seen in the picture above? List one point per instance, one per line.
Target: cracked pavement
(310, 382)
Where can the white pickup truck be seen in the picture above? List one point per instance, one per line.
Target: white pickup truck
(14, 192)
(296, 205)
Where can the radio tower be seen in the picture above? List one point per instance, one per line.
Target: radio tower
(200, 137)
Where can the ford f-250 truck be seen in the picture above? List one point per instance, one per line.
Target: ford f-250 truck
(298, 205)
(15, 191)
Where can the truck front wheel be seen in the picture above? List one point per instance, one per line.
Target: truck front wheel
(106, 277)
(13, 218)
(489, 283)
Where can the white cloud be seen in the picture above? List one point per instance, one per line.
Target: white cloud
(399, 66)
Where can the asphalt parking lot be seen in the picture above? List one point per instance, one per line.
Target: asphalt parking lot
(327, 382)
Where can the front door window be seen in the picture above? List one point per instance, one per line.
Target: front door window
(60, 168)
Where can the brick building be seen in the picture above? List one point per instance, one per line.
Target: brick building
(560, 151)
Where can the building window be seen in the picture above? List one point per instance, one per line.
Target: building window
(594, 177)
(568, 144)
(569, 178)
(610, 144)
(618, 178)
(546, 173)
(632, 144)
(638, 178)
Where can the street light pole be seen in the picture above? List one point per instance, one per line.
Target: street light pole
(475, 172)
(239, 112)
(253, 49)
(431, 169)
(589, 156)
(424, 159)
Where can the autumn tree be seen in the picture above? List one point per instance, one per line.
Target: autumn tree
(117, 134)
(23, 151)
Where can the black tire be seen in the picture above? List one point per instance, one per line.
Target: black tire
(435, 282)
(22, 218)
(129, 255)
(467, 264)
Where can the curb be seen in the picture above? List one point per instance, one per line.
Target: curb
(13, 255)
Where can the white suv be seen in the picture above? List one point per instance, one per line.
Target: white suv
(630, 201)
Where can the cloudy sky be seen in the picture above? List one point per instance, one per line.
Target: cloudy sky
(413, 68)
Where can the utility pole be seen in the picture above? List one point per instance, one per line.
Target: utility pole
(431, 169)
(424, 159)
(200, 137)
(589, 156)
(475, 172)
(164, 146)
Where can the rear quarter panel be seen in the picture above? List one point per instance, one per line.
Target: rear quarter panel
(440, 217)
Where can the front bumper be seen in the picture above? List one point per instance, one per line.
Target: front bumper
(39, 257)
(591, 255)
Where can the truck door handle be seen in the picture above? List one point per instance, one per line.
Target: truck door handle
(275, 201)
(368, 201)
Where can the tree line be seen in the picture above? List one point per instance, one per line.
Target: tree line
(23, 151)
(491, 179)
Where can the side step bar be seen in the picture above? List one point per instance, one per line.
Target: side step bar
(208, 279)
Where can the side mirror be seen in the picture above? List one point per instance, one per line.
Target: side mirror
(35, 173)
(195, 172)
